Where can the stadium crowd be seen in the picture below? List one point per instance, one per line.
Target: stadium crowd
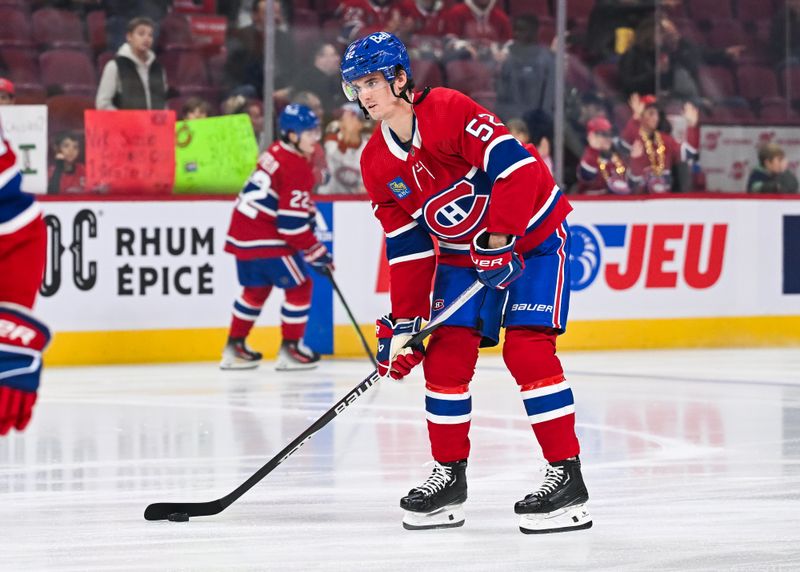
(641, 75)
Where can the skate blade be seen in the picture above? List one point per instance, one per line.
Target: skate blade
(229, 365)
(295, 366)
(451, 516)
(563, 520)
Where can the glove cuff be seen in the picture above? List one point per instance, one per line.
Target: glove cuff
(481, 241)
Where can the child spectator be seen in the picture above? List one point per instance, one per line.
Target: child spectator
(519, 129)
(773, 174)
(343, 150)
(67, 175)
(134, 79)
(662, 153)
(6, 92)
(602, 170)
(361, 17)
(195, 108)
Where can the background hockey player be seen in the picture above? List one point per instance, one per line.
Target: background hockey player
(23, 244)
(272, 236)
(440, 165)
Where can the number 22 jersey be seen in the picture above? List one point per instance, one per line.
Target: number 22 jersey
(463, 173)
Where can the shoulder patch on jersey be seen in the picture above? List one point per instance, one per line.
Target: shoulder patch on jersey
(399, 188)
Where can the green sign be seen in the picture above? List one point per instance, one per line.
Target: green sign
(214, 155)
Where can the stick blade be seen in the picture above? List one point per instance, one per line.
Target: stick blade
(161, 510)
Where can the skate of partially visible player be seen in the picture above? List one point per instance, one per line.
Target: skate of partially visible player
(23, 338)
(441, 165)
(272, 236)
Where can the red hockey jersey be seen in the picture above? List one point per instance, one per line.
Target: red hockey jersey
(464, 173)
(273, 215)
(17, 209)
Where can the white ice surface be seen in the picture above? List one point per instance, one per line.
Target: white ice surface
(692, 459)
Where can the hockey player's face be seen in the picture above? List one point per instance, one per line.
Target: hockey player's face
(308, 141)
(374, 94)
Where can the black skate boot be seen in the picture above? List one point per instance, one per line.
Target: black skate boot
(560, 503)
(237, 355)
(437, 503)
(294, 354)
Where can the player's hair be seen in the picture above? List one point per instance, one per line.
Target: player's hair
(140, 21)
(768, 152)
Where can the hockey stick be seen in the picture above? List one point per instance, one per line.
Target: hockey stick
(329, 274)
(163, 510)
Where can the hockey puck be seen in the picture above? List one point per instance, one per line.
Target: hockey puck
(178, 517)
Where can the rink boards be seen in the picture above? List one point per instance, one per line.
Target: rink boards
(144, 281)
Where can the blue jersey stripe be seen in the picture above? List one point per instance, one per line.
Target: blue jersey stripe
(503, 155)
(536, 405)
(410, 242)
(447, 407)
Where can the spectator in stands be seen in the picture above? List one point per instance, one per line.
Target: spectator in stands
(785, 34)
(773, 174)
(195, 108)
(67, 175)
(238, 103)
(362, 17)
(120, 12)
(7, 92)
(245, 61)
(323, 78)
(602, 170)
(580, 108)
(134, 79)
(423, 27)
(343, 148)
(677, 61)
(663, 157)
(527, 77)
(480, 27)
(519, 129)
(611, 22)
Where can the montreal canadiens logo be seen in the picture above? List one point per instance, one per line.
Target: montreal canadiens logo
(455, 212)
(584, 257)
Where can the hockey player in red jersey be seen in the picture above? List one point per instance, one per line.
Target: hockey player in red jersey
(439, 165)
(272, 236)
(23, 338)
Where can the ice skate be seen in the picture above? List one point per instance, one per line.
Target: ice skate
(295, 355)
(438, 502)
(560, 503)
(237, 355)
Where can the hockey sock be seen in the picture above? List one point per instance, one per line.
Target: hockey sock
(294, 311)
(246, 310)
(449, 365)
(530, 356)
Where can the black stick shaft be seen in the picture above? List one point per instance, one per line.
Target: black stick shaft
(160, 511)
(364, 343)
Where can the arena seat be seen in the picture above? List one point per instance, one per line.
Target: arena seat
(22, 64)
(15, 28)
(756, 82)
(70, 71)
(468, 76)
(54, 28)
(717, 82)
(65, 112)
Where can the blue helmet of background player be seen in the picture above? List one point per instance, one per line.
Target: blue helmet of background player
(297, 118)
(380, 52)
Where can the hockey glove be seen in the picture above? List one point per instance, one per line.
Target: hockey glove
(318, 257)
(497, 267)
(22, 340)
(393, 359)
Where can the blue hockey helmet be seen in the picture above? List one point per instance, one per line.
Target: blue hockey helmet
(298, 118)
(378, 52)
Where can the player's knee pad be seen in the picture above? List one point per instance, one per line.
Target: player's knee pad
(256, 295)
(530, 354)
(300, 295)
(22, 340)
(450, 357)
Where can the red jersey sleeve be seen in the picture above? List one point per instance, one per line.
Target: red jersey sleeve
(295, 207)
(409, 250)
(521, 182)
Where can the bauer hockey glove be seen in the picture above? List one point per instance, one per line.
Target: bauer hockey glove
(318, 257)
(393, 359)
(497, 267)
(22, 340)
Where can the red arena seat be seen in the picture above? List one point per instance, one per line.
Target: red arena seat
(58, 29)
(71, 71)
(15, 29)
